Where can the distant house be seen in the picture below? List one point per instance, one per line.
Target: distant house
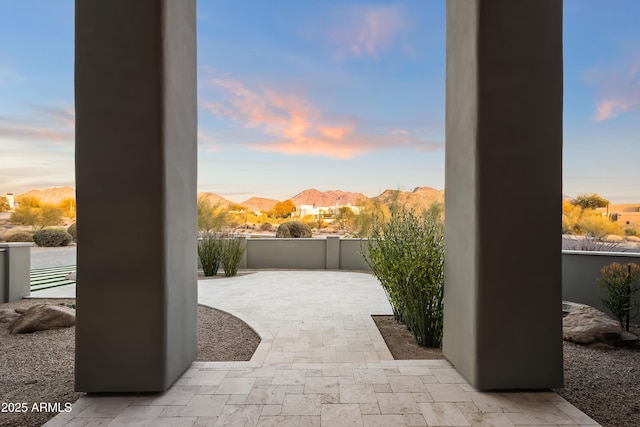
(11, 200)
(627, 215)
(326, 212)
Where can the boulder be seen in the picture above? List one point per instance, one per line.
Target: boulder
(8, 315)
(586, 325)
(43, 317)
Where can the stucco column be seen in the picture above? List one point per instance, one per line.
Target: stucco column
(502, 319)
(136, 126)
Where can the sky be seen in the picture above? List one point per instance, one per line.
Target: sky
(329, 94)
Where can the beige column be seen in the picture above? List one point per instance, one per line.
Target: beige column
(136, 127)
(502, 324)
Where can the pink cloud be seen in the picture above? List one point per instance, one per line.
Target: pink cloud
(295, 126)
(335, 133)
(610, 108)
(619, 88)
(367, 30)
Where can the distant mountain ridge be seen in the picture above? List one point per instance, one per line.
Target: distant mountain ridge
(214, 199)
(420, 198)
(259, 203)
(326, 198)
(53, 195)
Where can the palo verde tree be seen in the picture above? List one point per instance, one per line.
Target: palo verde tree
(4, 204)
(211, 216)
(590, 201)
(282, 209)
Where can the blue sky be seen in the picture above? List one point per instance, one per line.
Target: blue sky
(332, 95)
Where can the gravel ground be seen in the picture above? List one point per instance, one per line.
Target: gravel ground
(39, 367)
(604, 384)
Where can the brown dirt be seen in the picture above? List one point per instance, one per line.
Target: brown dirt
(401, 342)
(39, 367)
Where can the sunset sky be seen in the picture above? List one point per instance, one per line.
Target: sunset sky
(326, 94)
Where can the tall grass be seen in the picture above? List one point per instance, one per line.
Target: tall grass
(406, 253)
(233, 248)
(210, 252)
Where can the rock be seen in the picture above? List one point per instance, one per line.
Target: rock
(43, 317)
(8, 315)
(632, 239)
(613, 238)
(586, 325)
(629, 340)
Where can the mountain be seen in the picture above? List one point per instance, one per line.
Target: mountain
(52, 195)
(326, 198)
(259, 204)
(420, 198)
(214, 199)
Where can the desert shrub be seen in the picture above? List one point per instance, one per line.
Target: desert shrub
(38, 217)
(619, 284)
(295, 229)
(209, 252)
(632, 232)
(232, 250)
(52, 237)
(72, 230)
(406, 253)
(20, 236)
(598, 226)
(267, 226)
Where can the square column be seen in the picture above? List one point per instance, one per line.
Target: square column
(136, 149)
(503, 178)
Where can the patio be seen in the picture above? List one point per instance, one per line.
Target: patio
(321, 362)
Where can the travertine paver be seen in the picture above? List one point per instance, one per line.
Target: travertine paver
(321, 362)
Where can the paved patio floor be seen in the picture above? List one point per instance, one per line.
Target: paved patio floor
(321, 362)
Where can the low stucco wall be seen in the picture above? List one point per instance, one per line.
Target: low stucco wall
(332, 253)
(15, 263)
(580, 273)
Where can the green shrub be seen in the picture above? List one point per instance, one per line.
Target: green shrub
(619, 284)
(632, 231)
(72, 230)
(232, 250)
(52, 237)
(406, 253)
(20, 236)
(209, 252)
(295, 229)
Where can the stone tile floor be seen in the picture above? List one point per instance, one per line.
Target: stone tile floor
(321, 362)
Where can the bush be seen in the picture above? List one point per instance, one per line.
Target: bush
(632, 232)
(21, 236)
(232, 250)
(619, 284)
(52, 237)
(295, 229)
(72, 230)
(406, 253)
(209, 252)
(267, 226)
